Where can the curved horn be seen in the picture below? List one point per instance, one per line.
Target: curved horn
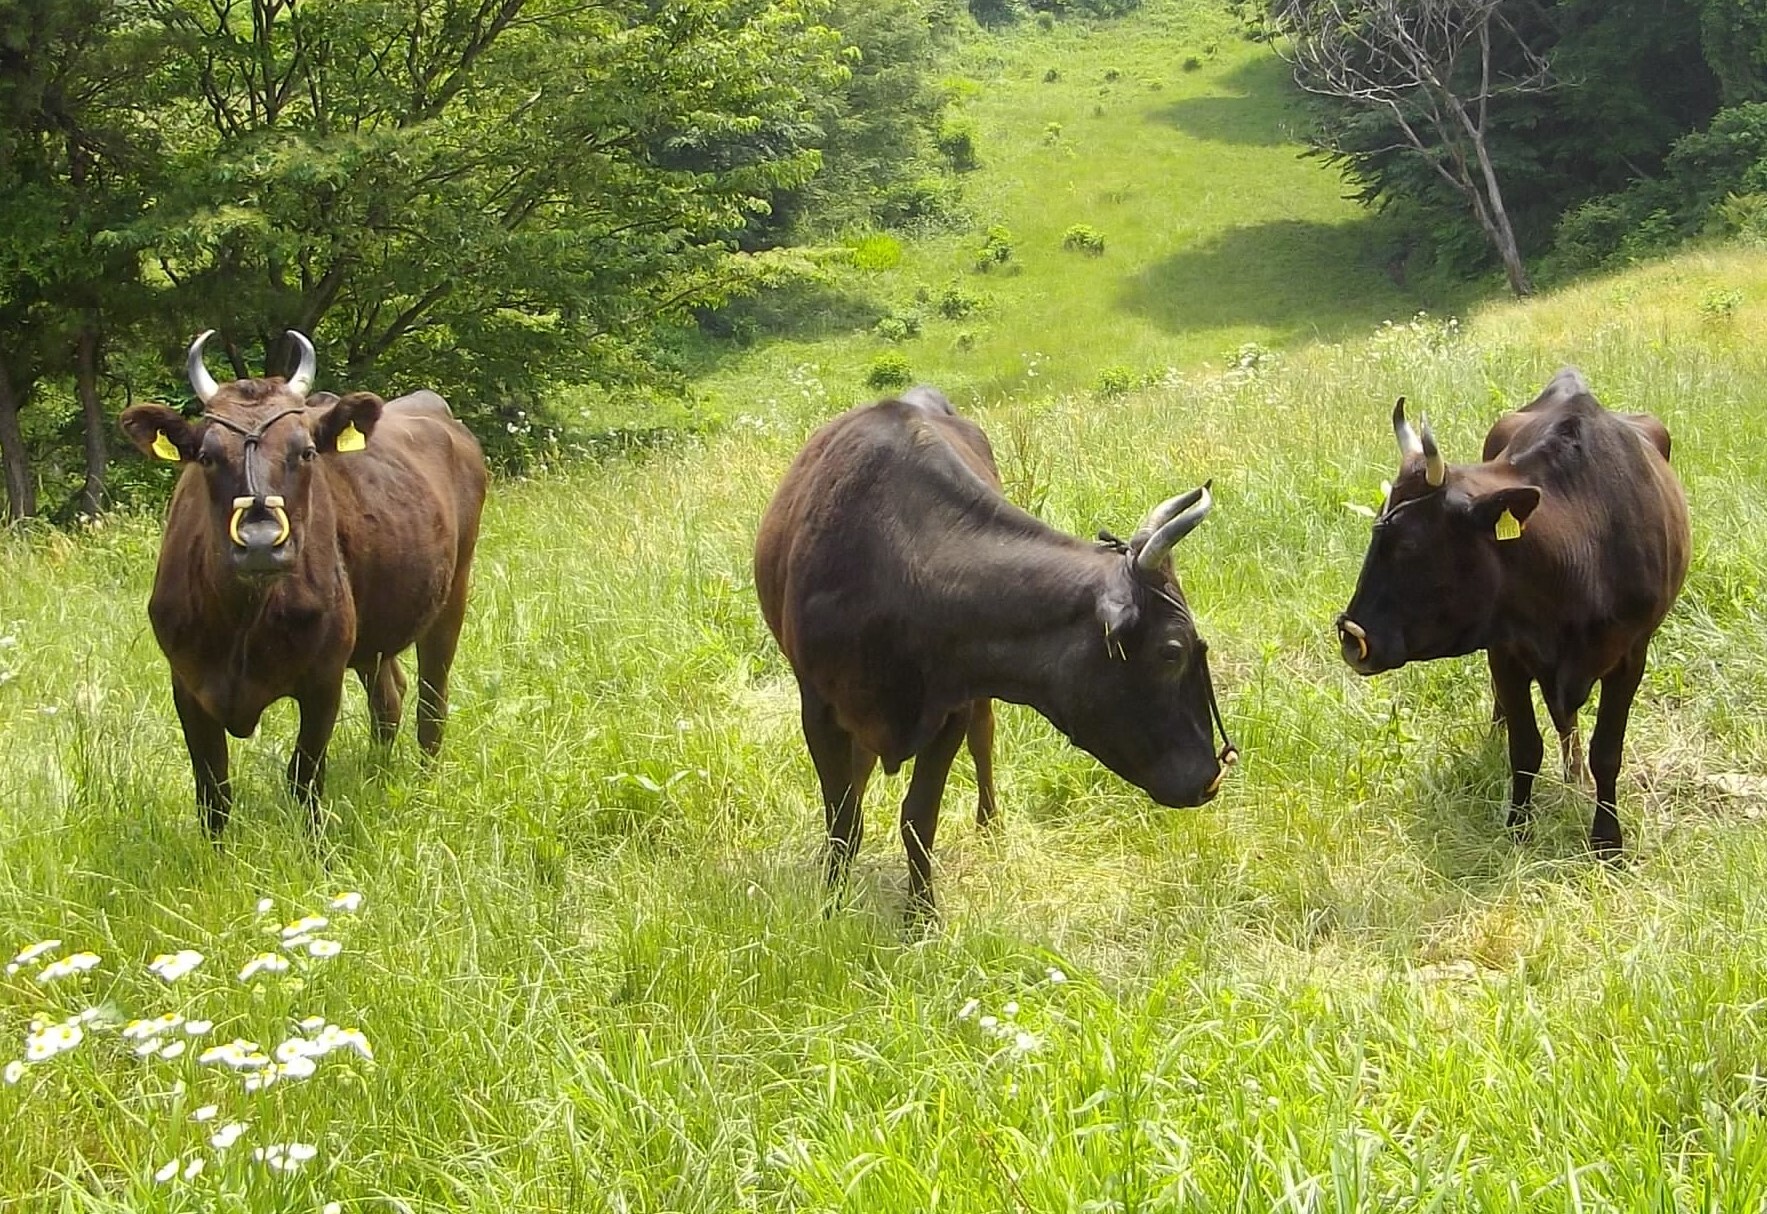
(201, 382)
(301, 382)
(1162, 514)
(1409, 444)
(1434, 470)
(1159, 545)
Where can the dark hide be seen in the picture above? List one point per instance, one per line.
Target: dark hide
(908, 593)
(1571, 601)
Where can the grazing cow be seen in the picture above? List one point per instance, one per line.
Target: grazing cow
(908, 593)
(1558, 555)
(307, 535)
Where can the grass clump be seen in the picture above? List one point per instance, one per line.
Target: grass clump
(996, 249)
(1083, 238)
(876, 251)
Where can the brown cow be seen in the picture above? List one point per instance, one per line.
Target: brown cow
(1559, 556)
(307, 535)
(908, 593)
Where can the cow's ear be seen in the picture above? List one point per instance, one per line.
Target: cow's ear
(1117, 606)
(1503, 512)
(348, 425)
(161, 432)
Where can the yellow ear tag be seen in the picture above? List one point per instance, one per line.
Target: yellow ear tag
(162, 447)
(1508, 527)
(351, 439)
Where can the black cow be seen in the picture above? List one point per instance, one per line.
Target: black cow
(907, 593)
(1559, 556)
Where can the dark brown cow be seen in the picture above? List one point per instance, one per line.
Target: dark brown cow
(908, 593)
(306, 536)
(1559, 556)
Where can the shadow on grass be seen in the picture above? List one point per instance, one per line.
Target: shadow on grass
(1304, 279)
(1258, 112)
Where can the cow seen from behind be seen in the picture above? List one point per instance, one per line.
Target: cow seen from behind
(307, 535)
(907, 593)
(1558, 555)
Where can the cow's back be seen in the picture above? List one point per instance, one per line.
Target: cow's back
(840, 556)
(407, 508)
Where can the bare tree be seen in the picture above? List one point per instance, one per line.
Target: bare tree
(1428, 64)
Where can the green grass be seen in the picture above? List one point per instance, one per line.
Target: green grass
(1217, 231)
(591, 960)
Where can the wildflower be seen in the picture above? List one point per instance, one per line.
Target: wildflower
(227, 1135)
(194, 1168)
(173, 1049)
(349, 902)
(259, 1080)
(324, 948)
(312, 1024)
(36, 950)
(206, 1113)
(1011, 1008)
(295, 1047)
(15, 1070)
(302, 1067)
(988, 1022)
(269, 962)
(968, 1009)
(285, 1157)
(265, 906)
(333, 1207)
(166, 1173)
(78, 963)
(173, 966)
(196, 1028)
(1056, 977)
(334, 1038)
(148, 1048)
(238, 1054)
(51, 1040)
(1024, 1043)
(301, 927)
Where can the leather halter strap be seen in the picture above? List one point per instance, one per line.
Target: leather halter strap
(252, 438)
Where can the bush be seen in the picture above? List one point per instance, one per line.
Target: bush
(1045, 22)
(1052, 75)
(954, 303)
(994, 12)
(1191, 63)
(1083, 238)
(1719, 305)
(1112, 76)
(876, 252)
(1117, 381)
(898, 326)
(996, 250)
(1052, 132)
(889, 372)
(957, 140)
(965, 341)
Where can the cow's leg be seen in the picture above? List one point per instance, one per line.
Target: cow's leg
(920, 810)
(1496, 700)
(386, 697)
(206, 741)
(1617, 691)
(842, 768)
(981, 749)
(1512, 682)
(306, 767)
(435, 657)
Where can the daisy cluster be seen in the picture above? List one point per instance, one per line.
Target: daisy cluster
(1005, 1025)
(307, 1042)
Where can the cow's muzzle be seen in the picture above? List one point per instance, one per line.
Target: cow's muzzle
(1353, 643)
(260, 530)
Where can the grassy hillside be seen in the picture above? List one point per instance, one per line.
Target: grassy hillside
(1177, 142)
(590, 962)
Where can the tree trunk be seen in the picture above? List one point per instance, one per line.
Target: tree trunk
(21, 487)
(92, 411)
(1496, 221)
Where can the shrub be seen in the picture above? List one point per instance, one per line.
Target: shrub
(996, 250)
(954, 303)
(877, 251)
(1719, 305)
(1052, 132)
(964, 341)
(1083, 238)
(1112, 76)
(1191, 63)
(898, 326)
(1045, 22)
(1117, 381)
(957, 140)
(1052, 75)
(994, 12)
(889, 372)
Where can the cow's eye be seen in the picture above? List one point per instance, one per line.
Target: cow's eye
(309, 455)
(1172, 651)
(205, 459)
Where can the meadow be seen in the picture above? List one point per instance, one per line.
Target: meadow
(585, 951)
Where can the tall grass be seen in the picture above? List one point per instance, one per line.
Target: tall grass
(591, 962)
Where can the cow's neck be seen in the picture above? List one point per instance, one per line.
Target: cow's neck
(1017, 643)
(305, 590)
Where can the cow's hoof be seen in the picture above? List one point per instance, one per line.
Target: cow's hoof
(1520, 825)
(1608, 850)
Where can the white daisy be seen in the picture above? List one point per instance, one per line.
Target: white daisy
(227, 1135)
(312, 1024)
(173, 966)
(266, 905)
(194, 1168)
(15, 1070)
(26, 956)
(300, 927)
(325, 948)
(206, 1113)
(349, 902)
(167, 1172)
(77, 963)
(266, 962)
(173, 1049)
(196, 1028)
(968, 1009)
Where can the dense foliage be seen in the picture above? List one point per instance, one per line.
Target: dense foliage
(1635, 140)
(490, 197)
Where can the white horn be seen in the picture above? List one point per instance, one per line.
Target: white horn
(1160, 544)
(201, 382)
(1434, 470)
(301, 382)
